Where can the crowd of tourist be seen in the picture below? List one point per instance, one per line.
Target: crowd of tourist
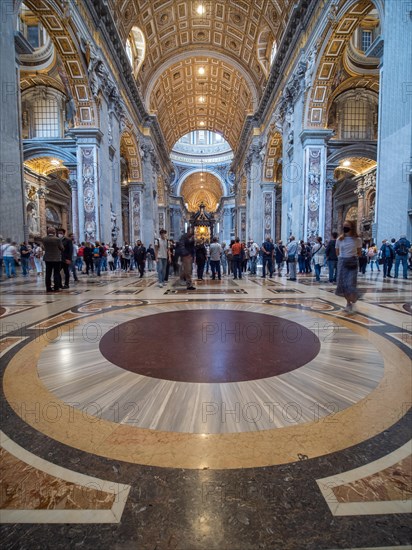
(59, 258)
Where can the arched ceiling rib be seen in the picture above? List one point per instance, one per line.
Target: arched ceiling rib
(193, 193)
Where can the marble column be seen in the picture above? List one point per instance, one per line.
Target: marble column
(269, 210)
(314, 177)
(242, 223)
(278, 211)
(75, 204)
(88, 140)
(65, 219)
(360, 193)
(150, 168)
(135, 212)
(125, 220)
(393, 191)
(42, 192)
(254, 206)
(12, 192)
(340, 218)
(330, 182)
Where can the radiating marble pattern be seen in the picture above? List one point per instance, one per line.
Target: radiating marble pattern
(381, 487)
(346, 370)
(36, 491)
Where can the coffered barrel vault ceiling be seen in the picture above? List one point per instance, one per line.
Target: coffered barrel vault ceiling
(194, 191)
(185, 101)
(233, 36)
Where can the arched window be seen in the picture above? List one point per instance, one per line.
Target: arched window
(266, 49)
(43, 113)
(31, 28)
(357, 115)
(136, 49)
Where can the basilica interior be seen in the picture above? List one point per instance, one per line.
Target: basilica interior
(245, 414)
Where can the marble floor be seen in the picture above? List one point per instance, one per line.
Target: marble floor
(243, 415)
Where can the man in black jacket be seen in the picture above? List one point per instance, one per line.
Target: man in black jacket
(332, 258)
(67, 256)
(139, 253)
(53, 249)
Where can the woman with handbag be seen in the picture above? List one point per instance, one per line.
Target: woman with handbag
(348, 250)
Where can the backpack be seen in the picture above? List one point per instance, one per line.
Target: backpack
(96, 252)
(402, 249)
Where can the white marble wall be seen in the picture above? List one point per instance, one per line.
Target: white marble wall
(395, 128)
(12, 216)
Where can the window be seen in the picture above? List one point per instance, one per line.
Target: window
(31, 28)
(355, 120)
(136, 49)
(356, 112)
(366, 40)
(42, 113)
(33, 35)
(45, 118)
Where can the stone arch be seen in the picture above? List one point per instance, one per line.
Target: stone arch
(40, 149)
(62, 32)
(184, 175)
(328, 66)
(129, 150)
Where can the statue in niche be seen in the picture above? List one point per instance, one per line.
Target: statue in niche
(32, 221)
(289, 215)
(110, 128)
(113, 217)
(70, 113)
(310, 67)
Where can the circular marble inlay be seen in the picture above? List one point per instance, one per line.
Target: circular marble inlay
(210, 346)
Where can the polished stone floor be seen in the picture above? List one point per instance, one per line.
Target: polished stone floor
(248, 414)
